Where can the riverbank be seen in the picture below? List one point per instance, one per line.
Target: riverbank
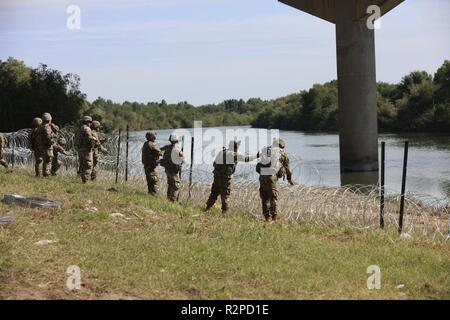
(131, 246)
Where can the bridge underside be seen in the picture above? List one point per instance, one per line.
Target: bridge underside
(355, 42)
(326, 9)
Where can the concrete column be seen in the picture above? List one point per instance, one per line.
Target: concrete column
(357, 91)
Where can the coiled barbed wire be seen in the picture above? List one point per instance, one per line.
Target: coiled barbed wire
(356, 206)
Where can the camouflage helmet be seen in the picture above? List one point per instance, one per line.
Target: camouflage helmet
(46, 117)
(96, 125)
(36, 122)
(281, 143)
(86, 119)
(174, 138)
(150, 135)
(62, 141)
(234, 144)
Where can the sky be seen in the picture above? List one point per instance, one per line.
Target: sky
(206, 51)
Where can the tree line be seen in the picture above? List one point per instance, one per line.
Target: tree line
(419, 103)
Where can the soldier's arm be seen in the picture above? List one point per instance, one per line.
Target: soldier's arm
(156, 149)
(49, 135)
(92, 138)
(54, 127)
(180, 155)
(65, 152)
(245, 158)
(285, 162)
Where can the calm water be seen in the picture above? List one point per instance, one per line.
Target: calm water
(315, 158)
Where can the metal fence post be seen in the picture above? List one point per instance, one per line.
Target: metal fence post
(118, 158)
(126, 153)
(402, 199)
(191, 166)
(13, 146)
(383, 158)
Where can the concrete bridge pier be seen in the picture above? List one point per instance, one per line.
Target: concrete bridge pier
(358, 133)
(355, 42)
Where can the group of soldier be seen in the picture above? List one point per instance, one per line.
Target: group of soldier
(273, 164)
(170, 157)
(47, 147)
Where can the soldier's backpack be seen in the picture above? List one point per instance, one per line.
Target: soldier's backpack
(224, 168)
(266, 162)
(44, 136)
(149, 156)
(167, 161)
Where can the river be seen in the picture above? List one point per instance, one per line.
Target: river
(316, 157)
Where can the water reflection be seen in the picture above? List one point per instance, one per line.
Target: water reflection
(369, 179)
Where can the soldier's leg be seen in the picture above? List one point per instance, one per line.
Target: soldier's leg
(148, 179)
(154, 179)
(274, 202)
(264, 204)
(225, 191)
(86, 160)
(94, 167)
(48, 157)
(176, 186)
(215, 191)
(2, 159)
(37, 163)
(80, 164)
(56, 165)
(171, 188)
(264, 194)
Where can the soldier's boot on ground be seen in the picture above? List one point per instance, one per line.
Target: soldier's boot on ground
(224, 208)
(275, 217)
(3, 163)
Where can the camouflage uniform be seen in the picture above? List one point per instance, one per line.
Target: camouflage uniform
(2, 144)
(172, 169)
(44, 136)
(150, 159)
(34, 146)
(224, 168)
(85, 142)
(96, 150)
(57, 149)
(268, 190)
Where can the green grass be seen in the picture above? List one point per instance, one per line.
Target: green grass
(165, 250)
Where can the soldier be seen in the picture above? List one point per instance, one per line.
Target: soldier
(96, 126)
(274, 165)
(150, 159)
(38, 159)
(224, 168)
(85, 142)
(172, 161)
(58, 148)
(2, 144)
(44, 136)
